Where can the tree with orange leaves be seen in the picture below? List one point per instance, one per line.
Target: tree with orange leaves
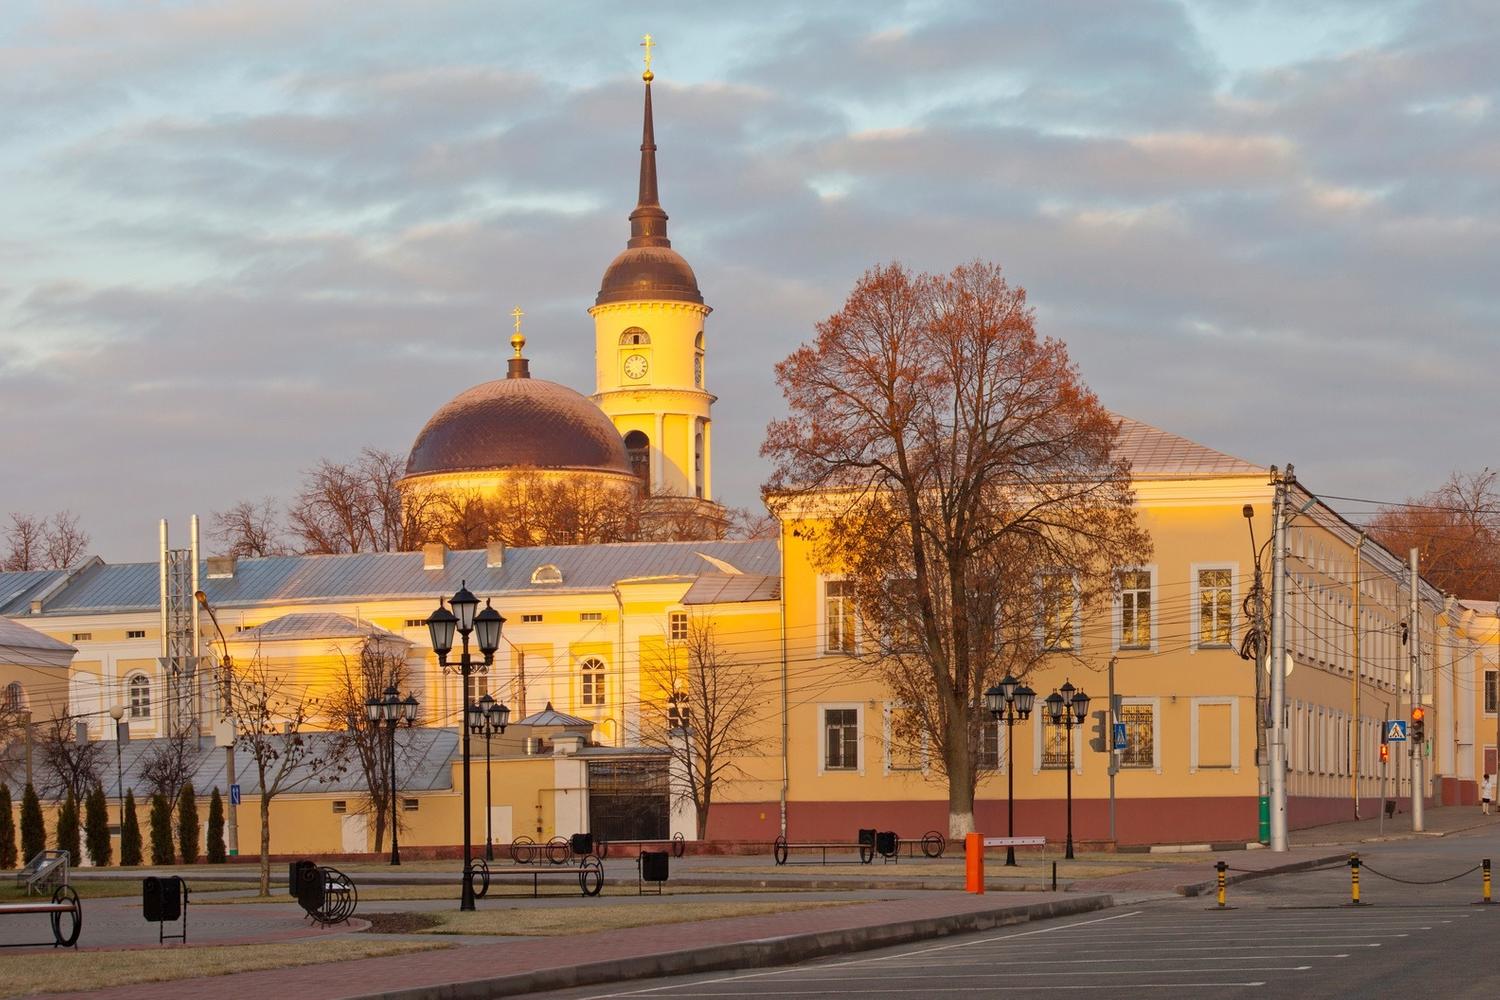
(1456, 530)
(953, 466)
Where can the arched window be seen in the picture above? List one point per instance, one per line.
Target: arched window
(634, 336)
(546, 574)
(698, 361)
(139, 689)
(638, 449)
(15, 697)
(698, 463)
(591, 673)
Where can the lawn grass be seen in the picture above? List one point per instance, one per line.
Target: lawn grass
(110, 888)
(559, 921)
(68, 971)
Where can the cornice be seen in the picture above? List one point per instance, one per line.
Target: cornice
(663, 304)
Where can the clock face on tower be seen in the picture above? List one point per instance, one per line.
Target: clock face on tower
(636, 366)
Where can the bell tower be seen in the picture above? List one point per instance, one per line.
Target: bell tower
(651, 374)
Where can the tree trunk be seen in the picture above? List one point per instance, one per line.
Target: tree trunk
(379, 829)
(702, 817)
(960, 778)
(265, 845)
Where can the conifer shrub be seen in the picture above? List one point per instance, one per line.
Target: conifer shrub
(7, 829)
(68, 830)
(161, 831)
(130, 833)
(216, 851)
(33, 829)
(187, 825)
(96, 827)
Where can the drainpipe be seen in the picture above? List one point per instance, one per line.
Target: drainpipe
(785, 766)
(620, 660)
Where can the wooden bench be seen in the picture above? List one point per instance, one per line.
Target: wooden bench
(65, 902)
(677, 845)
(782, 848)
(589, 875)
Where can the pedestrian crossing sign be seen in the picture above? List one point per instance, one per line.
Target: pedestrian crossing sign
(1395, 731)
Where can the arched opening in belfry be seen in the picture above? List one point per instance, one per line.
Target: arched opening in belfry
(638, 449)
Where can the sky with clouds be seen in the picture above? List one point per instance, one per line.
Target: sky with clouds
(240, 237)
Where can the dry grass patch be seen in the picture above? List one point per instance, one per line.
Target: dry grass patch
(392, 893)
(58, 971)
(109, 888)
(561, 921)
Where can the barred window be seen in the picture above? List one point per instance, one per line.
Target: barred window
(1054, 746)
(1140, 736)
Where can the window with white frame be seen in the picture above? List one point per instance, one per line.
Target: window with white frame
(591, 680)
(1135, 609)
(478, 685)
(139, 691)
(677, 626)
(1059, 611)
(838, 616)
(1215, 603)
(1490, 691)
(901, 752)
(840, 739)
(990, 745)
(1054, 746)
(1214, 734)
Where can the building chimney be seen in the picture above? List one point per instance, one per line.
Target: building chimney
(567, 744)
(434, 554)
(221, 567)
(494, 555)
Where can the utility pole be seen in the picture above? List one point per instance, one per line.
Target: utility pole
(1418, 771)
(1354, 739)
(1277, 746)
(1109, 735)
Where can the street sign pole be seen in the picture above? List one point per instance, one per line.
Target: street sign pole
(1114, 759)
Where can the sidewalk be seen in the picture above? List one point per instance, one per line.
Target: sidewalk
(1438, 822)
(515, 966)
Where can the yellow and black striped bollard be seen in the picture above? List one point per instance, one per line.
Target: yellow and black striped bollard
(1484, 868)
(1354, 880)
(1221, 868)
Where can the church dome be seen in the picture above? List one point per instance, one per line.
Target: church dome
(649, 272)
(518, 422)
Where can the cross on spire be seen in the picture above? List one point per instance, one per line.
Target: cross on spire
(648, 43)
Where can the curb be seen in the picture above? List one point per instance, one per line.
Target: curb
(764, 953)
(1208, 885)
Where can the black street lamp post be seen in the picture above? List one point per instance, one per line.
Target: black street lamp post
(486, 718)
(1010, 702)
(392, 710)
(485, 625)
(1068, 709)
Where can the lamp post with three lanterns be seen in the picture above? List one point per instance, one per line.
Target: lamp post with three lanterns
(486, 718)
(1010, 702)
(1068, 707)
(466, 619)
(392, 710)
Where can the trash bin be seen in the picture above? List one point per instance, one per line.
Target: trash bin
(885, 843)
(654, 866)
(161, 899)
(581, 843)
(867, 838)
(294, 876)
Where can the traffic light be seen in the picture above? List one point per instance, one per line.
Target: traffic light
(1385, 753)
(1418, 724)
(1099, 742)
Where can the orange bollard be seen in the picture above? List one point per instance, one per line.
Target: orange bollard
(974, 863)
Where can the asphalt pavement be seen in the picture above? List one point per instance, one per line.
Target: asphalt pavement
(1418, 931)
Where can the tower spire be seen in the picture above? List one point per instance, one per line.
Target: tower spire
(648, 223)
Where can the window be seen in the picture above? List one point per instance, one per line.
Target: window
(698, 360)
(838, 616)
(638, 452)
(1135, 610)
(477, 686)
(139, 688)
(677, 626)
(840, 739)
(1059, 599)
(416, 623)
(135, 633)
(1214, 604)
(82, 636)
(900, 753)
(698, 464)
(340, 805)
(410, 805)
(1140, 736)
(1054, 745)
(15, 697)
(989, 746)
(546, 574)
(591, 616)
(634, 337)
(1214, 731)
(592, 674)
(1490, 692)
(532, 619)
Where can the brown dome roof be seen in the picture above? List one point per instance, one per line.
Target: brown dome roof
(649, 272)
(518, 422)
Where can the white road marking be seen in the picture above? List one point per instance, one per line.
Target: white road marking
(1032, 975)
(995, 988)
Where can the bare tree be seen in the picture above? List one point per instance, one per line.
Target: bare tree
(1456, 530)
(66, 763)
(24, 542)
(391, 529)
(65, 541)
(707, 712)
(249, 528)
(379, 665)
(955, 469)
(168, 764)
(270, 712)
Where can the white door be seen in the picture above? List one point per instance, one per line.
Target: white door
(500, 825)
(356, 834)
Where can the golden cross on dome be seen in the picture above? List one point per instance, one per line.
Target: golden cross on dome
(517, 341)
(648, 43)
(517, 313)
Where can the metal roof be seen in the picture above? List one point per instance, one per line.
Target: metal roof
(1155, 453)
(395, 575)
(313, 625)
(550, 716)
(727, 588)
(17, 587)
(28, 647)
